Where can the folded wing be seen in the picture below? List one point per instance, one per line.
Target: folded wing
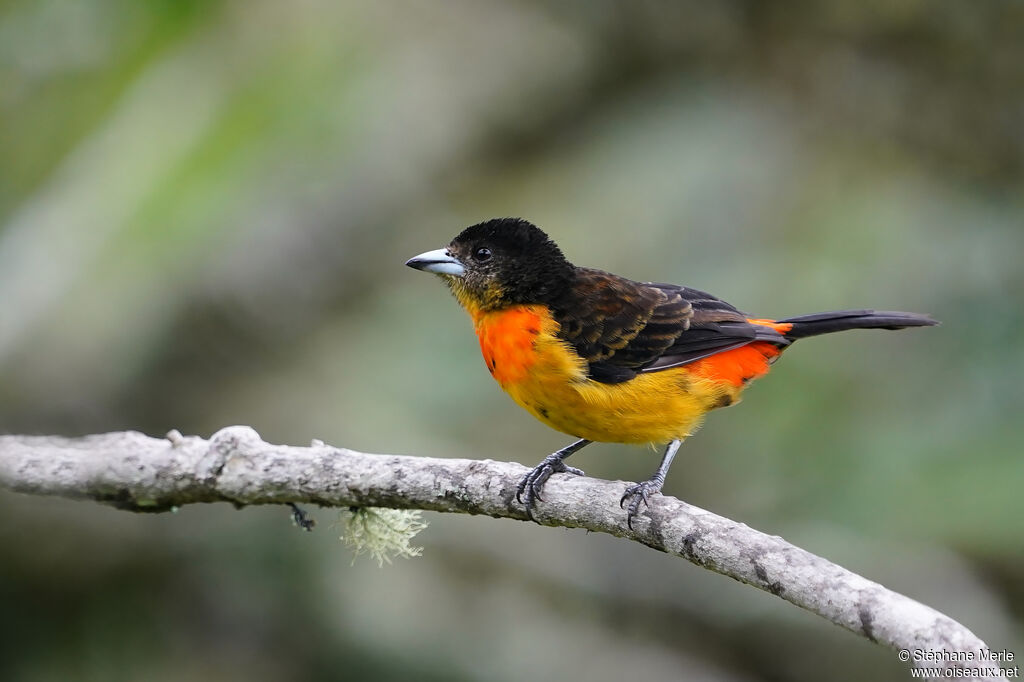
(621, 327)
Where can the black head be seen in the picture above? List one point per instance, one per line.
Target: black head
(500, 262)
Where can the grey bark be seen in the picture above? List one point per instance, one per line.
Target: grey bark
(132, 471)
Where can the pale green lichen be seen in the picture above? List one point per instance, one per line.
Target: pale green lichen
(381, 533)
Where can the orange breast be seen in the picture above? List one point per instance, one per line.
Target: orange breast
(507, 341)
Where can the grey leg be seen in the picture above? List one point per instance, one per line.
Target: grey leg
(641, 491)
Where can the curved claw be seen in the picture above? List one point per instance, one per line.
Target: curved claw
(533, 482)
(641, 492)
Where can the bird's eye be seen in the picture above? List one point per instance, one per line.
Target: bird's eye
(482, 254)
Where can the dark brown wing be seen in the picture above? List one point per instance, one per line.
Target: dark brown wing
(617, 325)
(621, 327)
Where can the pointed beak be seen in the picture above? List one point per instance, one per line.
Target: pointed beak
(439, 262)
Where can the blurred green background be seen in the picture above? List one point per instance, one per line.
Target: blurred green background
(204, 212)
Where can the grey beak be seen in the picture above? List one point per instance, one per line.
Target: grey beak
(439, 262)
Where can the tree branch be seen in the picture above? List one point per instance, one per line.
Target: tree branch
(134, 472)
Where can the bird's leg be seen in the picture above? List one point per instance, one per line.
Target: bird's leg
(531, 484)
(641, 491)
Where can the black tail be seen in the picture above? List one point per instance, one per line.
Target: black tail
(841, 320)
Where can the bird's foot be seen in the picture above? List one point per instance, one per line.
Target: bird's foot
(528, 490)
(637, 494)
(301, 518)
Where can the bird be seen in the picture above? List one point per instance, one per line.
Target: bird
(603, 358)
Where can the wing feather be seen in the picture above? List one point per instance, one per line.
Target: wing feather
(621, 327)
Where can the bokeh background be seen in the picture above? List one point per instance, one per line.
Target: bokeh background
(204, 212)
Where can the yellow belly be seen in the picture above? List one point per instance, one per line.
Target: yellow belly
(651, 408)
(545, 376)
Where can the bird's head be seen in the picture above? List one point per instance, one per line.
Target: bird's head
(499, 263)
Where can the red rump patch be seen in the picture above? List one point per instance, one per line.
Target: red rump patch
(738, 365)
(745, 363)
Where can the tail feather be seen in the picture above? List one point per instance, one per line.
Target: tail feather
(841, 320)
